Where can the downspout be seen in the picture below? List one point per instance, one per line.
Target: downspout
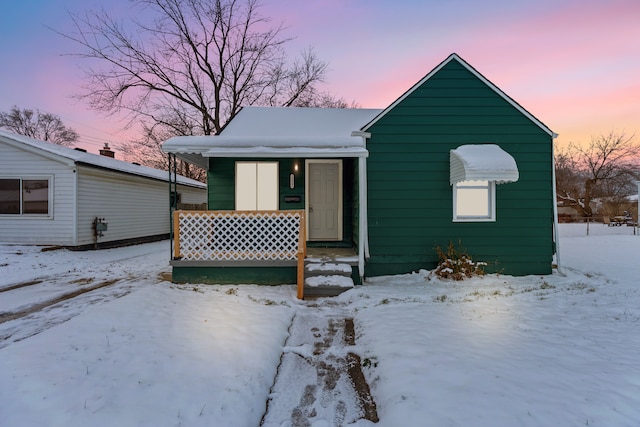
(555, 203)
(76, 214)
(363, 238)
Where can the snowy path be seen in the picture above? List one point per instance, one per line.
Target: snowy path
(314, 385)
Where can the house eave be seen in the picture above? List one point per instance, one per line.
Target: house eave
(473, 71)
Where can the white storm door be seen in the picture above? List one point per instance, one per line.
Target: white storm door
(256, 186)
(324, 199)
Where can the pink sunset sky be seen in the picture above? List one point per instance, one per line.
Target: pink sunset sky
(575, 65)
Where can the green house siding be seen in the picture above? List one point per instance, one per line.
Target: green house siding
(221, 182)
(409, 196)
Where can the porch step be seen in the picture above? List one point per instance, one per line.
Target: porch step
(325, 279)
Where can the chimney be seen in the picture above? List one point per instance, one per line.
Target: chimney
(107, 152)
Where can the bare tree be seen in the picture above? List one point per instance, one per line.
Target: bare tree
(148, 152)
(606, 167)
(38, 125)
(205, 58)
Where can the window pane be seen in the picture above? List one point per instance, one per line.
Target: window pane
(35, 196)
(267, 192)
(473, 202)
(473, 199)
(9, 196)
(246, 185)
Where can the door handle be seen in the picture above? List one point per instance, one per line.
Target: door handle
(310, 209)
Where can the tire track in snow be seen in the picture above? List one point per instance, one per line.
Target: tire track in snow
(36, 318)
(5, 317)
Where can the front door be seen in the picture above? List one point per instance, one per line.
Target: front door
(324, 199)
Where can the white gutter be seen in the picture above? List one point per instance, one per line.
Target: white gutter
(555, 203)
(74, 196)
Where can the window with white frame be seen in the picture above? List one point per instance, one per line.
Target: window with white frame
(256, 186)
(25, 196)
(474, 201)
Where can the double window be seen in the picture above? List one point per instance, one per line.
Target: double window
(25, 196)
(474, 201)
(256, 186)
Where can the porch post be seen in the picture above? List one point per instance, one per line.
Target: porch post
(363, 240)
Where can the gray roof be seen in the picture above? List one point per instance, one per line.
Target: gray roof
(95, 160)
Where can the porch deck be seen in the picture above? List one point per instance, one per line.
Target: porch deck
(263, 247)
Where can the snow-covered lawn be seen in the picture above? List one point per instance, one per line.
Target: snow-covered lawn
(559, 350)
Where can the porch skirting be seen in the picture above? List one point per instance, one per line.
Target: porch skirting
(233, 275)
(240, 272)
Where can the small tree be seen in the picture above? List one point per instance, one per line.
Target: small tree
(606, 167)
(38, 125)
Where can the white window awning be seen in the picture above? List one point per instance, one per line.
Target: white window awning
(482, 162)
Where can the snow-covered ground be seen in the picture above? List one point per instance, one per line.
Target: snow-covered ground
(559, 350)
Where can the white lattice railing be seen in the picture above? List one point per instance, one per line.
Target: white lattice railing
(239, 236)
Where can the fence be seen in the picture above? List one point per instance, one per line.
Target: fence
(241, 236)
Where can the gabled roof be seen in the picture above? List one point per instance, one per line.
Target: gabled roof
(70, 157)
(282, 132)
(455, 57)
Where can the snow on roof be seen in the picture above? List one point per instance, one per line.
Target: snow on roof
(96, 160)
(482, 162)
(283, 132)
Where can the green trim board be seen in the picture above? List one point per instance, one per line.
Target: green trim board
(242, 275)
(235, 275)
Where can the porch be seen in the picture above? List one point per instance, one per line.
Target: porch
(261, 247)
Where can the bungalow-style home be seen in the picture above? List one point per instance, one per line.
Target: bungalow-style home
(452, 160)
(54, 195)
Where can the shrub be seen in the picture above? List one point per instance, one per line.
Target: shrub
(456, 264)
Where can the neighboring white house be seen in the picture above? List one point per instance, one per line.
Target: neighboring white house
(54, 195)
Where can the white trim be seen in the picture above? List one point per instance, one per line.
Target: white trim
(491, 201)
(473, 71)
(50, 192)
(291, 152)
(363, 249)
(555, 205)
(307, 162)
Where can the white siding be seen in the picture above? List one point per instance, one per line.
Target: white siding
(132, 206)
(191, 195)
(55, 230)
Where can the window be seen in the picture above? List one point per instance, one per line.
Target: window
(256, 186)
(22, 196)
(474, 201)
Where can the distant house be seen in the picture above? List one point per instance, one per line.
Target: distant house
(453, 159)
(54, 195)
